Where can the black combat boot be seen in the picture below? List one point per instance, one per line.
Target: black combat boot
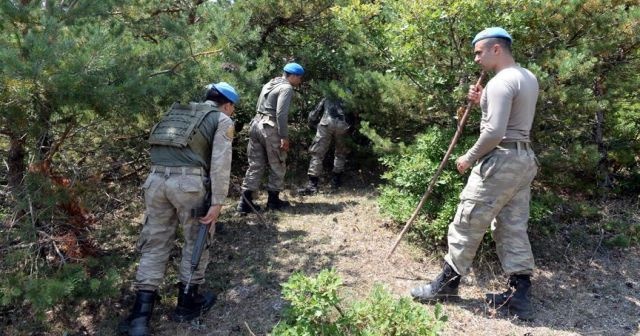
(137, 323)
(311, 188)
(336, 180)
(191, 304)
(443, 287)
(274, 202)
(245, 199)
(516, 298)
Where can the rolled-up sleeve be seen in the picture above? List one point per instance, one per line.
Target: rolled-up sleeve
(221, 160)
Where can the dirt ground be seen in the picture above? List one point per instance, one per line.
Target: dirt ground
(579, 289)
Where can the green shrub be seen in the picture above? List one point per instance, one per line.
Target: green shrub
(315, 309)
(622, 232)
(313, 302)
(543, 207)
(71, 283)
(381, 314)
(409, 171)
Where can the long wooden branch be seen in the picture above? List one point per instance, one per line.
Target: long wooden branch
(434, 179)
(59, 142)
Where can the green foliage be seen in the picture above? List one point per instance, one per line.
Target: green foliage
(409, 171)
(312, 299)
(622, 233)
(315, 310)
(313, 304)
(65, 286)
(541, 213)
(381, 314)
(87, 79)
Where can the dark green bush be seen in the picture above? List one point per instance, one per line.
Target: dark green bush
(409, 171)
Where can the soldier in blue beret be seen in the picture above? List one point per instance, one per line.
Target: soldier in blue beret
(498, 190)
(190, 157)
(269, 140)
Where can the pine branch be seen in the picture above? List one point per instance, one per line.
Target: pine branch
(175, 66)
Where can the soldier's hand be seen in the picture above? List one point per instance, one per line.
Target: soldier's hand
(462, 164)
(284, 144)
(475, 92)
(212, 215)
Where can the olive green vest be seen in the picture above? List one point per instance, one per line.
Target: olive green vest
(180, 128)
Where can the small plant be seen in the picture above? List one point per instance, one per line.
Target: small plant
(71, 283)
(315, 309)
(622, 233)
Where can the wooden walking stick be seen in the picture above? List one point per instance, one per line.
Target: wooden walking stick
(461, 122)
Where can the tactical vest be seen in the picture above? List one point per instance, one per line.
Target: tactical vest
(180, 128)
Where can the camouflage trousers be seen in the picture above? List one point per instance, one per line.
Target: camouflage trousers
(264, 151)
(329, 129)
(169, 195)
(497, 194)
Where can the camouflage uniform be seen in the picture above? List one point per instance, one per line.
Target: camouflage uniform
(266, 130)
(333, 126)
(498, 190)
(175, 186)
(497, 193)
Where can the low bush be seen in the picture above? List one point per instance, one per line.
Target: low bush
(409, 172)
(316, 308)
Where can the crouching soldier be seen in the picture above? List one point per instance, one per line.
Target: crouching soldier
(269, 140)
(333, 126)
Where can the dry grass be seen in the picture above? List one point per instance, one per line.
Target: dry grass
(576, 291)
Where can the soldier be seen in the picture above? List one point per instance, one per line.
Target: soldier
(334, 125)
(497, 193)
(190, 153)
(269, 139)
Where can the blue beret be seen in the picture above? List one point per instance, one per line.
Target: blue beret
(294, 69)
(226, 90)
(492, 32)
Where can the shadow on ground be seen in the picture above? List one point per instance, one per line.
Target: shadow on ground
(248, 264)
(597, 295)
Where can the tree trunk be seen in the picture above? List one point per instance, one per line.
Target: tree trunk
(44, 140)
(604, 179)
(16, 162)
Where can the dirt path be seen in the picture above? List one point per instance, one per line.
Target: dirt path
(573, 295)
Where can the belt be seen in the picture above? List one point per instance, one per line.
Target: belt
(515, 145)
(261, 115)
(166, 170)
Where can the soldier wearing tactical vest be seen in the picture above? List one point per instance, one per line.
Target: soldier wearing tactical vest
(333, 126)
(269, 139)
(190, 153)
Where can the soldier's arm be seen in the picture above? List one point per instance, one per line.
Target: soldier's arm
(221, 160)
(282, 110)
(499, 100)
